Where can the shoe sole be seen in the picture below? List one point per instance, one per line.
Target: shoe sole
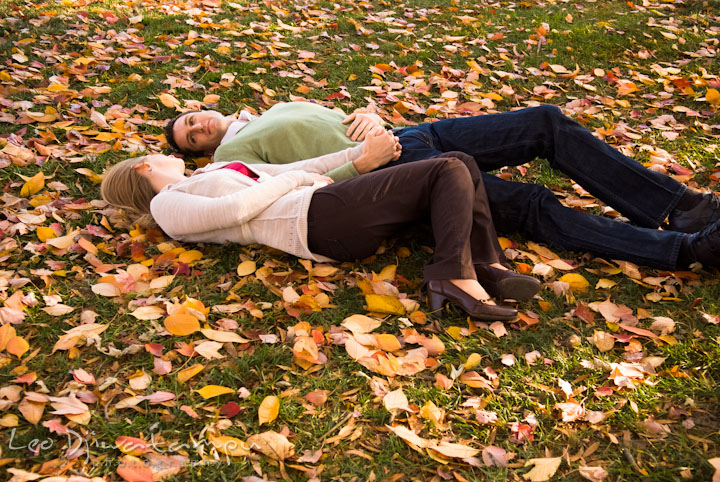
(518, 289)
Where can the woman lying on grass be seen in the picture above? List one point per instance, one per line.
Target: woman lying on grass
(295, 208)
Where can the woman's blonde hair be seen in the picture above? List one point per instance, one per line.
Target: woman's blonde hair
(123, 187)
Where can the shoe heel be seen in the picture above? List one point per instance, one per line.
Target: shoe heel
(436, 301)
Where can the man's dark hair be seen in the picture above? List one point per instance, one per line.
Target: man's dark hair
(170, 137)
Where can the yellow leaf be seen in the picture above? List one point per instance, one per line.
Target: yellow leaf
(187, 373)
(17, 346)
(44, 233)
(387, 342)
(384, 304)
(9, 420)
(713, 97)
(211, 98)
(454, 332)
(182, 324)
(604, 283)
(33, 185)
(269, 409)
(472, 361)
(190, 256)
(168, 100)
(246, 268)
(210, 391)
(505, 243)
(90, 174)
(576, 281)
(388, 272)
(230, 446)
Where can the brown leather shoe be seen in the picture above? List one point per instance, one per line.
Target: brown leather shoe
(441, 291)
(504, 284)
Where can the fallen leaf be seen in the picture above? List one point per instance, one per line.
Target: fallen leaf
(272, 444)
(211, 391)
(543, 468)
(182, 324)
(269, 409)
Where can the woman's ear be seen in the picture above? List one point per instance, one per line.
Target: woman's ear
(142, 167)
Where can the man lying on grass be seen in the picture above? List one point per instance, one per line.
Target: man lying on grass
(288, 132)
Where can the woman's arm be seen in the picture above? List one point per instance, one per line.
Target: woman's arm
(179, 213)
(320, 165)
(378, 149)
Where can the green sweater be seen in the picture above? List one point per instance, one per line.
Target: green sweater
(290, 132)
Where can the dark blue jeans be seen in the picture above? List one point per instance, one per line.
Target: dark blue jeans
(514, 138)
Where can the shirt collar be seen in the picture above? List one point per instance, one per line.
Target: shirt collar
(242, 120)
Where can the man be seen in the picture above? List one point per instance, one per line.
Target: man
(293, 131)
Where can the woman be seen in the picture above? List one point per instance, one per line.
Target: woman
(294, 208)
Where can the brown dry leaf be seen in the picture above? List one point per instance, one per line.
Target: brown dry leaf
(272, 444)
(269, 409)
(396, 400)
(31, 410)
(603, 341)
(90, 331)
(223, 336)
(594, 474)
(361, 323)
(543, 469)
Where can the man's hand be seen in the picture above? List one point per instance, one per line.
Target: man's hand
(361, 123)
(379, 148)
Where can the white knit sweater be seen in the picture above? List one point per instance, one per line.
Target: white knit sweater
(218, 205)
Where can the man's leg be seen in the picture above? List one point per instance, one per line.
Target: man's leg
(517, 137)
(542, 218)
(534, 211)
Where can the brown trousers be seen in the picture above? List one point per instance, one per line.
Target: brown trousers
(348, 220)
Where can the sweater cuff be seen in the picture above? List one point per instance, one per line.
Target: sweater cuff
(346, 171)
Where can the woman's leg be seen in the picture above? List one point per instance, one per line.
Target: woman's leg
(349, 220)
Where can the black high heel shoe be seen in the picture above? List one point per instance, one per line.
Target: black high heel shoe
(441, 291)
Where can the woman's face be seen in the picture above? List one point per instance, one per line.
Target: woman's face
(159, 163)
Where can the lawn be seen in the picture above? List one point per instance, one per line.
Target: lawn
(125, 355)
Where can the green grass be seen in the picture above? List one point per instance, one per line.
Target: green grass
(140, 58)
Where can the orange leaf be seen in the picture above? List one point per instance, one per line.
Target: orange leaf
(388, 342)
(7, 332)
(269, 409)
(189, 372)
(132, 445)
(17, 346)
(132, 469)
(182, 324)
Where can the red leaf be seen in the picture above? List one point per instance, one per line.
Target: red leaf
(230, 409)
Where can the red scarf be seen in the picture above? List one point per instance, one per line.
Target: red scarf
(242, 169)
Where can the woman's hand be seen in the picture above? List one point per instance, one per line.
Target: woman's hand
(315, 177)
(361, 124)
(379, 148)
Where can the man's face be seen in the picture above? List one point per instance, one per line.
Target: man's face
(200, 131)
